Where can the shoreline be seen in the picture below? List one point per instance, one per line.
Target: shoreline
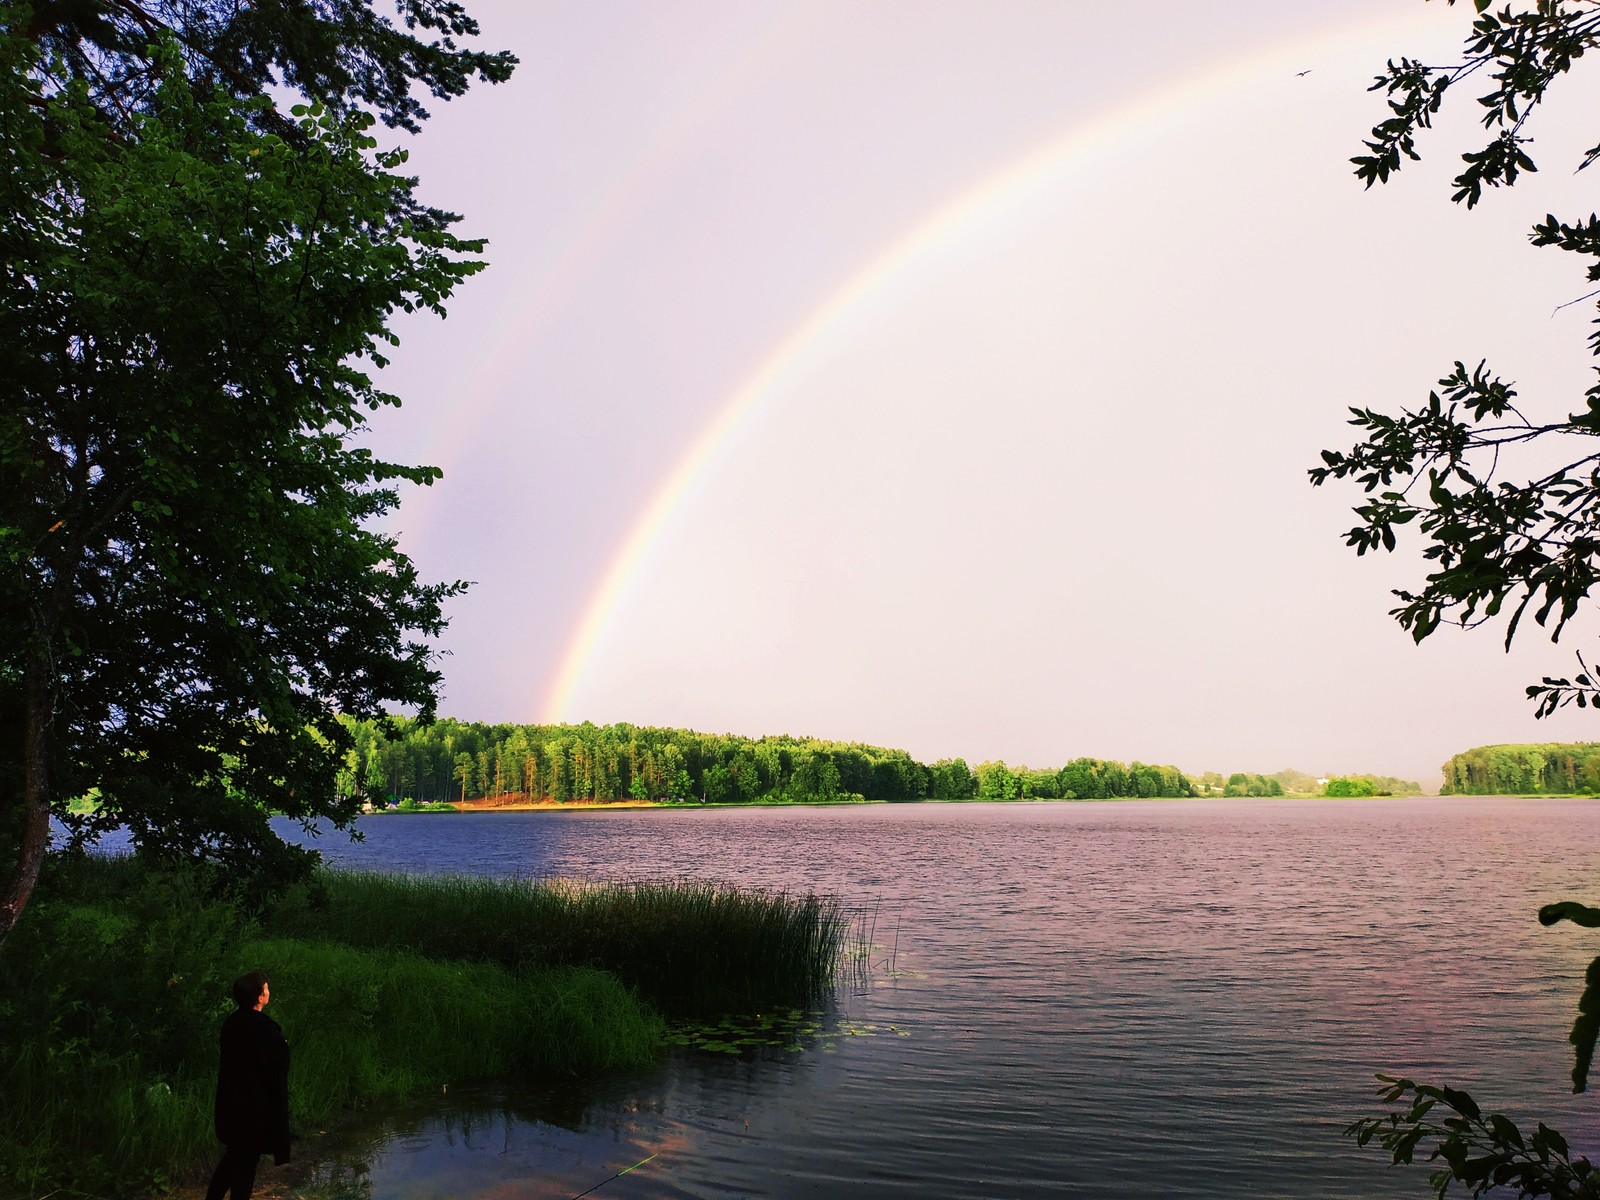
(630, 805)
(390, 988)
(614, 805)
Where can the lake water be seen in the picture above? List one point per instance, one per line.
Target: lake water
(1152, 998)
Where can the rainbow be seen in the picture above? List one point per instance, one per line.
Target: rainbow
(967, 215)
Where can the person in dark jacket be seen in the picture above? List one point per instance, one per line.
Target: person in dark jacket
(252, 1091)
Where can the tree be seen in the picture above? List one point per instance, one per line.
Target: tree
(996, 781)
(1467, 469)
(717, 784)
(373, 778)
(195, 285)
(746, 775)
(1347, 788)
(337, 52)
(680, 787)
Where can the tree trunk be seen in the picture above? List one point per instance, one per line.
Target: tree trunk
(35, 795)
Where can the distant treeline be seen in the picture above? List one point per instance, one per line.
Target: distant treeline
(1559, 768)
(1298, 783)
(1241, 784)
(457, 761)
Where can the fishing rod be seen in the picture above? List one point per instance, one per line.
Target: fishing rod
(618, 1175)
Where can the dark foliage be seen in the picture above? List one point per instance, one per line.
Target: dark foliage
(193, 286)
(1503, 537)
(342, 53)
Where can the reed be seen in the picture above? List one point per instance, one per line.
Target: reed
(689, 947)
(369, 1026)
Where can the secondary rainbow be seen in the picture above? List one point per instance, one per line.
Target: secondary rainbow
(517, 328)
(1062, 157)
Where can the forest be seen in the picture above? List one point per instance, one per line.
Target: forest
(1552, 768)
(459, 761)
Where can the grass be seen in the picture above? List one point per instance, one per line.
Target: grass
(114, 984)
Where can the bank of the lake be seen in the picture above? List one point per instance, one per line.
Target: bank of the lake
(443, 808)
(523, 805)
(388, 987)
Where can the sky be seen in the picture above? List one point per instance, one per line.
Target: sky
(945, 376)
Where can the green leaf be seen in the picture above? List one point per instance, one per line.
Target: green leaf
(1461, 1102)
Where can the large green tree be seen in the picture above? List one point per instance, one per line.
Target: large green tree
(197, 284)
(1505, 533)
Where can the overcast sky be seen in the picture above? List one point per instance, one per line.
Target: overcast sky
(945, 376)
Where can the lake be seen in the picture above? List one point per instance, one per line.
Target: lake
(1173, 998)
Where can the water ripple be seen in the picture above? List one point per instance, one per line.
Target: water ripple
(1185, 1000)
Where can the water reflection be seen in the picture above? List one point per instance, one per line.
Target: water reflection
(563, 1138)
(694, 1126)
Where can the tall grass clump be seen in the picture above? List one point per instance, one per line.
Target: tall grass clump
(689, 947)
(368, 1026)
(114, 985)
(697, 947)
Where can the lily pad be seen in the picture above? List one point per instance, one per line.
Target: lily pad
(790, 1030)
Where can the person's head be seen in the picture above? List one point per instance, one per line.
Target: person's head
(250, 991)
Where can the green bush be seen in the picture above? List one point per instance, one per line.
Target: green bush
(1349, 788)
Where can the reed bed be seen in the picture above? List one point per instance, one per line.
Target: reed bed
(689, 947)
(114, 984)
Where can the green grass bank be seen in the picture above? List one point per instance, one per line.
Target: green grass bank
(114, 985)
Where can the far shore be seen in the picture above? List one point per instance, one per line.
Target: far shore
(495, 805)
(524, 805)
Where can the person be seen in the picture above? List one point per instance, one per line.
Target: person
(252, 1091)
